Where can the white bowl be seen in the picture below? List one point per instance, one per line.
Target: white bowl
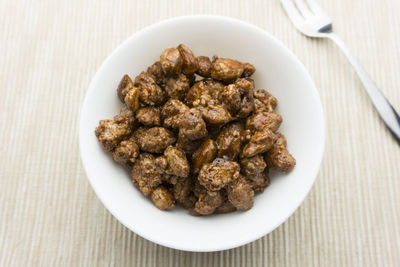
(278, 70)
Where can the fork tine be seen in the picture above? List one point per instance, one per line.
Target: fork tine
(292, 11)
(303, 8)
(315, 8)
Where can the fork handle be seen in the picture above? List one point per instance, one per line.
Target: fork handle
(382, 105)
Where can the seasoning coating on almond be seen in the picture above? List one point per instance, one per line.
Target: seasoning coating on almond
(225, 69)
(197, 133)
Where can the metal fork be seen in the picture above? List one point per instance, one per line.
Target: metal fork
(311, 20)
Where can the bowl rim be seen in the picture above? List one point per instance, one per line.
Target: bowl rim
(250, 238)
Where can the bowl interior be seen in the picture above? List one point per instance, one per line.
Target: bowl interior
(278, 71)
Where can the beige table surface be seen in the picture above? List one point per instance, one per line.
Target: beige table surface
(50, 216)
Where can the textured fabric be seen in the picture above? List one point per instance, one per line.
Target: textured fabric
(50, 216)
